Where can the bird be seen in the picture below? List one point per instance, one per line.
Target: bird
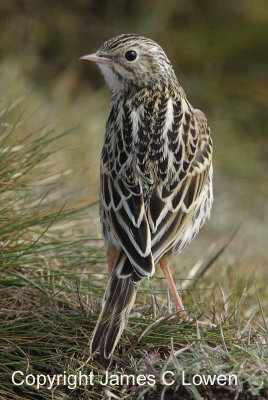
(155, 177)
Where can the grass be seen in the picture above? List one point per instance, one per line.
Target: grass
(49, 313)
(53, 274)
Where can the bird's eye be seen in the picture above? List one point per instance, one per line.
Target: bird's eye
(131, 55)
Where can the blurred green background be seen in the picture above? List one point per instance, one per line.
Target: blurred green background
(219, 52)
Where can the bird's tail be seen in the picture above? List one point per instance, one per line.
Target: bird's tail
(118, 301)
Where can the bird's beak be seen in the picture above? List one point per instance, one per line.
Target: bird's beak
(97, 58)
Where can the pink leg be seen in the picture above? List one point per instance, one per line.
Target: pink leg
(182, 313)
(178, 302)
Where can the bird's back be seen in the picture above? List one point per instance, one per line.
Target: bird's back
(158, 149)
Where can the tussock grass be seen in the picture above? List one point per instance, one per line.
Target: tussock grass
(52, 278)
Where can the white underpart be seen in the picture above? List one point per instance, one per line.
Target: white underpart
(111, 79)
(195, 223)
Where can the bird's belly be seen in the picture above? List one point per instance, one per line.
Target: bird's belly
(201, 213)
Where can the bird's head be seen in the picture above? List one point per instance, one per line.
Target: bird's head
(130, 62)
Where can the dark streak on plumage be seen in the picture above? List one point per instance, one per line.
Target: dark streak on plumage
(156, 162)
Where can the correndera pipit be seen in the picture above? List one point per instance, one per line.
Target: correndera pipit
(156, 177)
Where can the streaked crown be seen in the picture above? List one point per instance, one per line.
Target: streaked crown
(130, 62)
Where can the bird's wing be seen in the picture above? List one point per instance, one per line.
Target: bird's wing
(174, 201)
(125, 213)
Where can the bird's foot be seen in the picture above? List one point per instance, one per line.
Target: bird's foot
(181, 315)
